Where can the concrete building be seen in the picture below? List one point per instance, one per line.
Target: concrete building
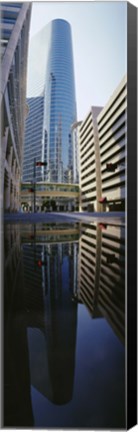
(112, 132)
(14, 46)
(51, 98)
(76, 159)
(102, 142)
(90, 172)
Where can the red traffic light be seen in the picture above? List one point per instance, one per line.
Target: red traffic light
(31, 190)
(111, 167)
(110, 258)
(39, 163)
(39, 263)
(102, 226)
(102, 200)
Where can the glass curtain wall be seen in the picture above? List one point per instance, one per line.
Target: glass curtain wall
(52, 106)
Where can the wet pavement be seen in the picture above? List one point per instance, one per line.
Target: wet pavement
(64, 323)
(114, 217)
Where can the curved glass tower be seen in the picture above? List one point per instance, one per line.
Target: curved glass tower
(53, 83)
(60, 101)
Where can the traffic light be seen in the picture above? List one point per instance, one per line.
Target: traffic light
(103, 200)
(31, 190)
(39, 163)
(111, 258)
(111, 167)
(102, 226)
(40, 263)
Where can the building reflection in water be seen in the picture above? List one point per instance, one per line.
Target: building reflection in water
(102, 273)
(49, 282)
(48, 271)
(40, 317)
(17, 394)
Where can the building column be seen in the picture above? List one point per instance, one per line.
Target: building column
(17, 179)
(15, 198)
(4, 143)
(98, 165)
(11, 196)
(7, 195)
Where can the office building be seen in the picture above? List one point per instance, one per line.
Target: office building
(102, 146)
(76, 159)
(51, 100)
(15, 20)
(112, 132)
(90, 175)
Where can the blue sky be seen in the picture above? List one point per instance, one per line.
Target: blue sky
(99, 35)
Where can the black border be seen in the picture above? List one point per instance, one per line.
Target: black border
(131, 216)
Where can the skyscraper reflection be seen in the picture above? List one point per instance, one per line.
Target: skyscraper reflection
(52, 316)
(49, 270)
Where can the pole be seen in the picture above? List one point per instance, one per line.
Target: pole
(34, 184)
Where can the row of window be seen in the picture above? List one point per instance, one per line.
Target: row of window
(113, 140)
(114, 101)
(60, 188)
(85, 125)
(89, 135)
(113, 187)
(115, 121)
(85, 200)
(92, 189)
(88, 158)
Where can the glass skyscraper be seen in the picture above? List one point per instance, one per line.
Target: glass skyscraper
(52, 105)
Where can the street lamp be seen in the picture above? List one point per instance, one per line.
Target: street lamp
(36, 164)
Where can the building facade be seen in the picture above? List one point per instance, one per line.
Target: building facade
(76, 159)
(15, 20)
(112, 132)
(90, 176)
(54, 86)
(102, 147)
(34, 145)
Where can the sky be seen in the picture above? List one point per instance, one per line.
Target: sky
(99, 37)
